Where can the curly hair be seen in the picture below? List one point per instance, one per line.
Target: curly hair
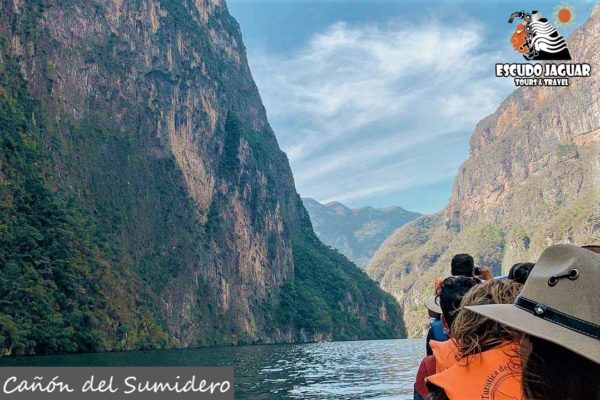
(475, 333)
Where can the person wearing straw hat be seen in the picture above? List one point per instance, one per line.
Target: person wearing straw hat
(436, 332)
(558, 311)
(436, 329)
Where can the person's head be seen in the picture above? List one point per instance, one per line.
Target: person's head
(557, 311)
(475, 333)
(520, 271)
(552, 372)
(451, 292)
(483, 273)
(462, 265)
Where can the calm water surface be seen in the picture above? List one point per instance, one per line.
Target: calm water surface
(379, 369)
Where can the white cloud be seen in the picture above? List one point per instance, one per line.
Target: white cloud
(356, 100)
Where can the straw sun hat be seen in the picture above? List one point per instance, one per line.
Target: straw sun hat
(433, 304)
(560, 301)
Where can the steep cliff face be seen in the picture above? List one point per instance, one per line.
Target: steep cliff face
(355, 232)
(143, 118)
(532, 179)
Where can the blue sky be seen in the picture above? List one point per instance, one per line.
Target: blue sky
(374, 101)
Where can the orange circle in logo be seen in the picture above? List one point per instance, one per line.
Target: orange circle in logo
(564, 15)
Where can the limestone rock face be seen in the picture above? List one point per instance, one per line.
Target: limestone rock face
(532, 179)
(152, 124)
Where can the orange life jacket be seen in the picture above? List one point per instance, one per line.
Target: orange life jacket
(446, 354)
(494, 374)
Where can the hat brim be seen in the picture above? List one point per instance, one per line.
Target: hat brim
(432, 305)
(509, 314)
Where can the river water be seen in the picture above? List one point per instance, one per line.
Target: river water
(376, 369)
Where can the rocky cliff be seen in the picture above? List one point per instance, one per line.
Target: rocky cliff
(532, 179)
(355, 232)
(144, 201)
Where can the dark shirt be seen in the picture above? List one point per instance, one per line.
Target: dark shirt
(417, 396)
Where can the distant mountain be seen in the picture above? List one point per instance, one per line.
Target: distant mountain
(355, 232)
(531, 180)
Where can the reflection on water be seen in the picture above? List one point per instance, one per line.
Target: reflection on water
(381, 369)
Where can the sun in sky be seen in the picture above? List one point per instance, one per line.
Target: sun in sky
(564, 15)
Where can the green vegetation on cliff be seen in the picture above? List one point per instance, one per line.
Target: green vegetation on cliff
(55, 282)
(319, 301)
(144, 201)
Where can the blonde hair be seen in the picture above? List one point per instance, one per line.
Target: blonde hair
(475, 333)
